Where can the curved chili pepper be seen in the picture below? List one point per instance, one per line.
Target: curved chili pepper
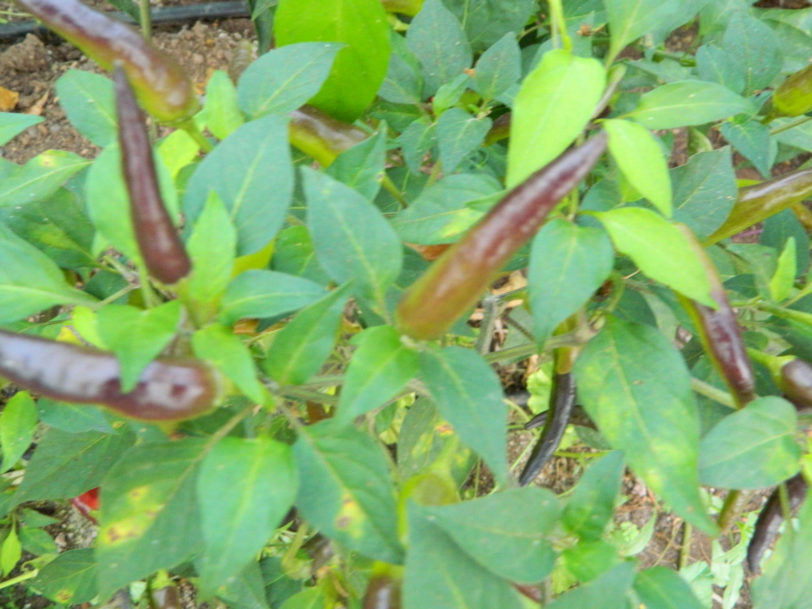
(720, 333)
(794, 96)
(458, 278)
(796, 382)
(168, 390)
(167, 597)
(760, 201)
(321, 136)
(161, 84)
(562, 402)
(383, 592)
(161, 248)
(770, 519)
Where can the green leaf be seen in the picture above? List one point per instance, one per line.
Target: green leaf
(640, 158)
(177, 150)
(403, 83)
(630, 19)
(37, 541)
(284, 78)
(295, 254)
(13, 123)
(30, 281)
(663, 588)
(589, 559)
(440, 213)
(609, 591)
(300, 348)
(40, 177)
(754, 46)
(554, 104)
(222, 109)
(238, 519)
(149, 517)
(362, 166)
(259, 293)
(718, 65)
(783, 280)
(69, 579)
(486, 21)
(232, 357)
(458, 134)
(211, 247)
(450, 93)
(438, 41)
(659, 248)
(635, 386)
(74, 418)
(498, 68)
(567, 264)
(704, 191)
(440, 575)
(251, 171)
(138, 336)
(504, 532)
(753, 447)
(346, 489)
(372, 256)
(359, 67)
(592, 503)
(380, 367)
(10, 552)
(89, 102)
(753, 140)
(686, 103)
(18, 422)
(415, 142)
(469, 396)
(66, 465)
(309, 598)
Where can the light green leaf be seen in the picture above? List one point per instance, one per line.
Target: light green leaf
(346, 489)
(567, 264)
(591, 505)
(554, 104)
(630, 19)
(659, 248)
(13, 123)
(89, 102)
(608, 591)
(40, 177)
(222, 108)
(458, 134)
(686, 103)
(362, 166)
(663, 588)
(469, 396)
(237, 520)
(18, 422)
(753, 447)
(69, 579)
(10, 552)
(177, 150)
(138, 336)
(636, 387)
(640, 158)
(783, 280)
(380, 367)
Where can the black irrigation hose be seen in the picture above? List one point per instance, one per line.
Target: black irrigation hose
(160, 15)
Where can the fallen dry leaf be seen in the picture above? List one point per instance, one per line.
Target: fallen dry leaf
(8, 99)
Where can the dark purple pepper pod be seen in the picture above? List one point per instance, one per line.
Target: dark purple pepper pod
(383, 592)
(168, 390)
(796, 382)
(161, 248)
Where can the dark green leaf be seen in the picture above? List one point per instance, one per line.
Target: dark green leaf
(415, 141)
(719, 65)
(458, 134)
(403, 83)
(662, 588)
(294, 254)
(18, 422)
(245, 590)
(498, 68)
(259, 293)
(486, 21)
(587, 560)
(607, 591)
(362, 166)
(590, 507)
(704, 190)
(755, 48)
(753, 140)
(69, 579)
(74, 418)
(90, 105)
(630, 19)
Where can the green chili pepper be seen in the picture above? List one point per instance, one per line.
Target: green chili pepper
(168, 390)
(760, 201)
(720, 333)
(321, 136)
(162, 86)
(161, 248)
(458, 278)
(794, 96)
(405, 7)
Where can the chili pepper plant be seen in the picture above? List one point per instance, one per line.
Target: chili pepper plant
(263, 342)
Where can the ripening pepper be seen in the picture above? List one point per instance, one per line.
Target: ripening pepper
(321, 136)
(794, 96)
(796, 382)
(168, 390)
(383, 592)
(719, 331)
(457, 279)
(760, 201)
(161, 248)
(162, 86)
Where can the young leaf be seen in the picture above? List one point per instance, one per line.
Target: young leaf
(18, 422)
(13, 123)
(589, 508)
(635, 386)
(440, 575)
(89, 102)
(753, 447)
(149, 517)
(237, 520)
(40, 177)
(469, 396)
(458, 134)
(10, 552)
(251, 171)
(504, 532)
(300, 348)
(259, 293)
(663, 588)
(283, 79)
(225, 350)
(371, 255)
(567, 264)
(554, 104)
(359, 67)
(640, 158)
(69, 579)
(346, 490)
(704, 190)
(498, 68)
(660, 250)
(380, 367)
(783, 279)
(222, 109)
(138, 336)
